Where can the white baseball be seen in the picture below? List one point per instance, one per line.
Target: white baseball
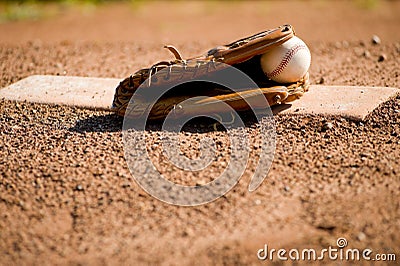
(288, 62)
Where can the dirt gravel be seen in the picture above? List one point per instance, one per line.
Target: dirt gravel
(67, 196)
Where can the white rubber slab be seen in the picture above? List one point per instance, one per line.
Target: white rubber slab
(354, 102)
(93, 93)
(97, 93)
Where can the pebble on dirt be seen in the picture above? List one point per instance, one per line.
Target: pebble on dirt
(376, 40)
(326, 126)
(382, 58)
(366, 54)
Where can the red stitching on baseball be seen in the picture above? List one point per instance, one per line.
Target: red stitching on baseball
(285, 61)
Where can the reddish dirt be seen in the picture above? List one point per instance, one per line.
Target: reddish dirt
(67, 196)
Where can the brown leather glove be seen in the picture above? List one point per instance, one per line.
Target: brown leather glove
(243, 54)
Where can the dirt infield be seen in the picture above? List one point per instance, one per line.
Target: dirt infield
(66, 193)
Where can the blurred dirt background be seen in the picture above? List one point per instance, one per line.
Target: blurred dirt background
(66, 194)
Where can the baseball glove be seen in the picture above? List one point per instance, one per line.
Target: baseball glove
(243, 54)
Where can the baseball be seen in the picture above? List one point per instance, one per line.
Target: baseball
(288, 62)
